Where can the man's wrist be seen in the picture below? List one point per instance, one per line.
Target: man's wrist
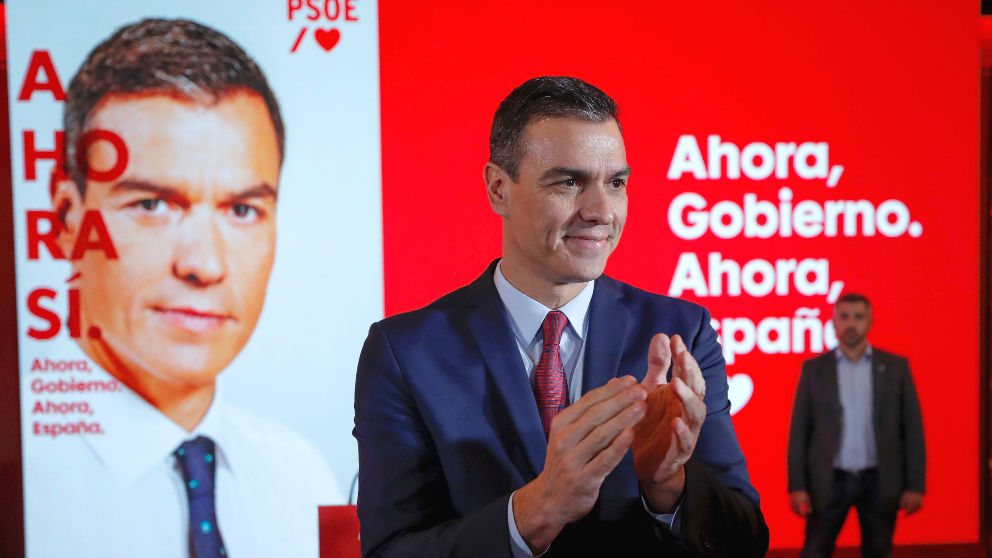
(664, 497)
(518, 546)
(535, 525)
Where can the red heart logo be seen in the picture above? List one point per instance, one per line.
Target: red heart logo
(327, 38)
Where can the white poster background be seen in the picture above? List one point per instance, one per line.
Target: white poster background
(326, 284)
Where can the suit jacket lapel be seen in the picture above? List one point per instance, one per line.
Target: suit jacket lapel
(831, 387)
(605, 341)
(489, 328)
(877, 370)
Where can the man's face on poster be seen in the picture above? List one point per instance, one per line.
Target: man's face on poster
(192, 219)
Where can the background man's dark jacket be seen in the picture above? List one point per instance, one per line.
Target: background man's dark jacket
(815, 432)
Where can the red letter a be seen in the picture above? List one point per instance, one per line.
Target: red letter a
(41, 61)
(93, 221)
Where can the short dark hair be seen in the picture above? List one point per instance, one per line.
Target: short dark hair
(539, 98)
(853, 297)
(174, 57)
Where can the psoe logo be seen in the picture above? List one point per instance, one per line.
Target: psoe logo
(325, 17)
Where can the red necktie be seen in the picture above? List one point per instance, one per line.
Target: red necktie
(550, 386)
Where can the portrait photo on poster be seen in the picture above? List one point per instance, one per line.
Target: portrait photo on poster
(187, 313)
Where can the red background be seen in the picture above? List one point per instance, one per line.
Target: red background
(893, 91)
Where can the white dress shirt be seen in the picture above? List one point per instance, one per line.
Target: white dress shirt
(121, 493)
(526, 317)
(854, 386)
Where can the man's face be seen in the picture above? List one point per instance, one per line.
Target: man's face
(193, 221)
(852, 320)
(563, 215)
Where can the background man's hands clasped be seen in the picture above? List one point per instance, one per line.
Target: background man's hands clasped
(660, 420)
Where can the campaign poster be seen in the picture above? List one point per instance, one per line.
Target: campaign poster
(197, 209)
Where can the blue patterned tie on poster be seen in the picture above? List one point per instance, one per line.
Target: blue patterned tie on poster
(157, 150)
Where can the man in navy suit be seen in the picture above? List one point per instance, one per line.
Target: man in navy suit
(498, 420)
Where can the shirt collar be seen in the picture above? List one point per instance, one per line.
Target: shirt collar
(528, 314)
(136, 436)
(840, 354)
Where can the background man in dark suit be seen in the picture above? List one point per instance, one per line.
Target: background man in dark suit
(498, 419)
(856, 438)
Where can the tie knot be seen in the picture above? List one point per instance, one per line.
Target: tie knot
(553, 326)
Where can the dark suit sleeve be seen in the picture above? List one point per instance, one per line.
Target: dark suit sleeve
(912, 434)
(799, 429)
(403, 503)
(720, 521)
(720, 512)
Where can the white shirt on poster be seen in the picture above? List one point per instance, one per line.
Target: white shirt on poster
(121, 493)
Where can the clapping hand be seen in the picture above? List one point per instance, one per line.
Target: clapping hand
(665, 438)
